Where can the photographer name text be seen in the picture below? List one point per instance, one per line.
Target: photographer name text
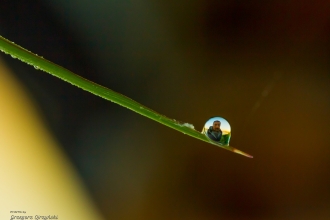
(18, 215)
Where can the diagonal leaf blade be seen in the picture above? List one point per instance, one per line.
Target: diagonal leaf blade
(38, 62)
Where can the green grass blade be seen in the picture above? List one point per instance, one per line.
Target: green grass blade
(40, 63)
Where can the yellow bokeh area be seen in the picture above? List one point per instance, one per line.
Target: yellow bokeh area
(35, 175)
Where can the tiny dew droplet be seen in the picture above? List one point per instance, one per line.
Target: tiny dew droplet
(218, 130)
(36, 67)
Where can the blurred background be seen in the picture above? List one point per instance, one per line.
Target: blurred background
(263, 66)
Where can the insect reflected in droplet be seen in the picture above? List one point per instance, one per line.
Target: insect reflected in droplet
(218, 130)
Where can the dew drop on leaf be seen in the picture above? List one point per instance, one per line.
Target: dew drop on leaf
(218, 130)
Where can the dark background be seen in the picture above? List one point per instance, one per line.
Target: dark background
(262, 66)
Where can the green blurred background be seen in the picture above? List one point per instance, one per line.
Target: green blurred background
(264, 66)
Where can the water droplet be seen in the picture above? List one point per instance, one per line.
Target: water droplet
(188, 125)
(13, 56)
(36, 67)
(218, 130)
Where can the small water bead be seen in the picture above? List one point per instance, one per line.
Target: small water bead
(218, 130)
(188, 125)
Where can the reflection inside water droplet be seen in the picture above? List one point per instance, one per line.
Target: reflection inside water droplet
(218, 130)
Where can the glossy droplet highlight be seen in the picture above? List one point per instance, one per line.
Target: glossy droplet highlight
(218, 130)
